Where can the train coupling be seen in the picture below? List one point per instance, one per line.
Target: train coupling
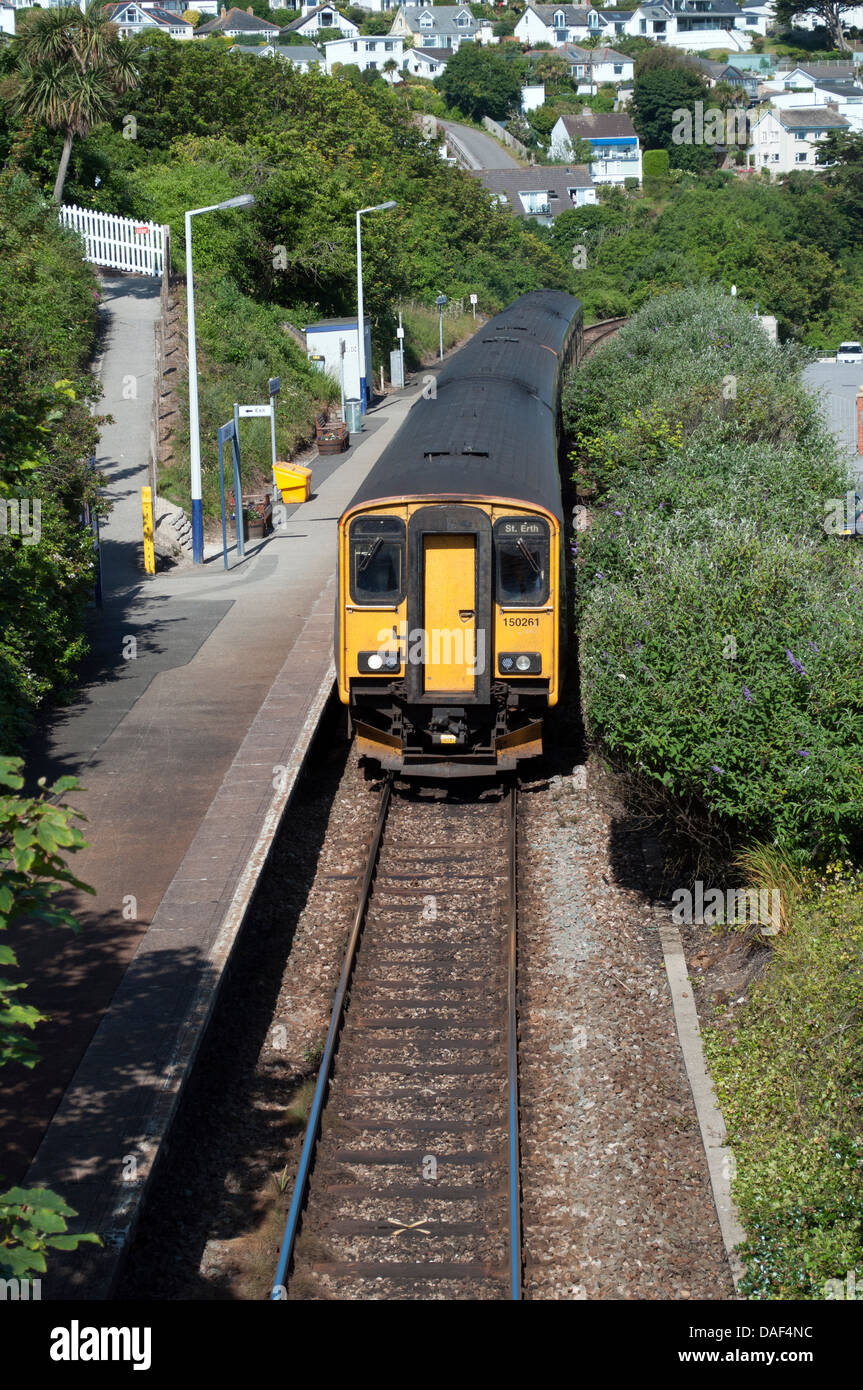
(448, 727)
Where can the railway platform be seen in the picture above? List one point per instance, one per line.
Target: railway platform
(203, 696)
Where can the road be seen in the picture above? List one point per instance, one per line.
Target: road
(484, 149)
(838, 384)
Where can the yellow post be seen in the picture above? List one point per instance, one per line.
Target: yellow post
(149, 552)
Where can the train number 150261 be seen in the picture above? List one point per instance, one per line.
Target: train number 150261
(521, 622)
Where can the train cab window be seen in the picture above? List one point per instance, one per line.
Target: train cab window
(377, 552)
(522, 555)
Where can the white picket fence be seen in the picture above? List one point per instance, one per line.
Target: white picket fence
(118, 242)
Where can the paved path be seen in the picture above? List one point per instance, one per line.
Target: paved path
(488, 152)
(152, 736)
(129, 310)
(838, 384)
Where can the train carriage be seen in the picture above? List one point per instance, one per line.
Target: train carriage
(451, 601)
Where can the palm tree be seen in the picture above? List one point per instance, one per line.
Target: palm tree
(71, 67)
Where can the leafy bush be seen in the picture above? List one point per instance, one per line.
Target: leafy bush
(718, 622)
(47, 328)
(655, 164)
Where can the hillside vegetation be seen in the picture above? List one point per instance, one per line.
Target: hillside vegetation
(48, 318)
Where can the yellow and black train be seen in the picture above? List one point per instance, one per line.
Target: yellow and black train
(451, 602)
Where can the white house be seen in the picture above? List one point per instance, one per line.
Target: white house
(756, 18)
(787, 140)
(436, 26)
(852, 18)
(309, 25)
(693, 25)
(612, 23)
(300, 56)
(7, 19)
(132, 19)
(366, 52)
(557, 24)
(616, 152)
(375, 6)
(806, 73)
(238, 24)
(426, 62)
(606, 65)
(844, 97)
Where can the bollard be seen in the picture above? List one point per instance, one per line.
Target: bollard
(149, 551)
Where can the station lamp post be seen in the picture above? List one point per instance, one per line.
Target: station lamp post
(245, 200)
(361, 327)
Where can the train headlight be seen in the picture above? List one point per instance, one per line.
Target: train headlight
(521, 663)
(378, 663)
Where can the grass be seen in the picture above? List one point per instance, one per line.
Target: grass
(790, 1083)
(422, 332)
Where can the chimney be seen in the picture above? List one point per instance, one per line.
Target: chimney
(249, 10)
(222, 13)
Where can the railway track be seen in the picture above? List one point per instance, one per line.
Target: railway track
(408, 1184)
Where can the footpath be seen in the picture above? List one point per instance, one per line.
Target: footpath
(200, 683)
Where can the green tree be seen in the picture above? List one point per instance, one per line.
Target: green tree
(663, 89)
(844, 153)
(480, 82)
(71, 68)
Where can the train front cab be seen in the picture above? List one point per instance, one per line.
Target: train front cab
(447, 643)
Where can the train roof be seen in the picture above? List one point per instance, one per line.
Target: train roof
(489, 430)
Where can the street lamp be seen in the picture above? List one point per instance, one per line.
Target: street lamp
(440, 302)
(361, 327)
(244, 200)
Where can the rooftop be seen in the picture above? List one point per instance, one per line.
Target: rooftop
(811, 118)
(591, 125)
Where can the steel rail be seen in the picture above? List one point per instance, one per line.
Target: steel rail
(512, 1050)
(301, 1183)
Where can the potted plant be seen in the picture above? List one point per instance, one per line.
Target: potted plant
(255, 522)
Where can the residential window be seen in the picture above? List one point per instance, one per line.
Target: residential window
(800, 158)
(798, 135)
(355, 47)
(618, 69)
(642, 24)
(559, 19)
(775, 158)
(388, 46)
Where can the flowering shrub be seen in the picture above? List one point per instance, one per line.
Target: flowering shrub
(720, 626)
